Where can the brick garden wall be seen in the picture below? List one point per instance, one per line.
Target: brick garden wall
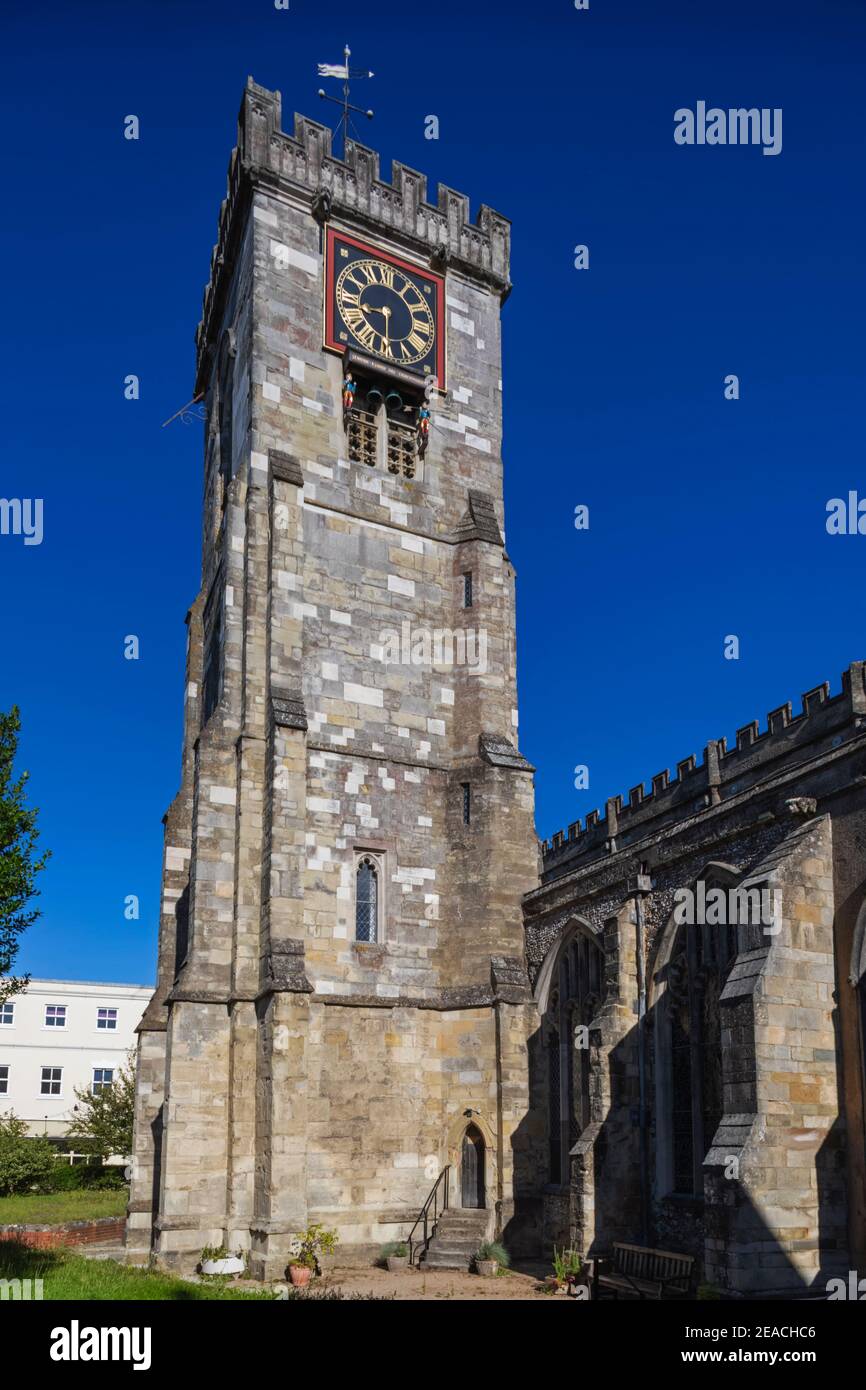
(98, 1232)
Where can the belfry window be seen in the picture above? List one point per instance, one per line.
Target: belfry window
(402, 448)
(363, 437)
(367, 900)
(213, 651)
(381, 428)
(225, 404)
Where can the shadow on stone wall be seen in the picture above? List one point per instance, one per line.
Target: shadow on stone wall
(735, 1241)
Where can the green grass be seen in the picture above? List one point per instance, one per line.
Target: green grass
(66, 1275)
(76, 1205)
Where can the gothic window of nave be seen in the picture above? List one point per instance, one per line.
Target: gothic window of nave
(573, 1002)
(688, 1053)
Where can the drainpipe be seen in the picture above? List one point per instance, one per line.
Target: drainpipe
(642, 886)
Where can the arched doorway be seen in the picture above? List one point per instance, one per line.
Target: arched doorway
(472, 1169)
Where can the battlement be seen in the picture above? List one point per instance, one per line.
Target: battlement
(351, 187)
(787, 739)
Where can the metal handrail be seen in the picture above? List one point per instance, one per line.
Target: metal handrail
(424, 1216)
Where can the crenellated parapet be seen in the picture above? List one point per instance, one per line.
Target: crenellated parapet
(823, 723)
(352, 188)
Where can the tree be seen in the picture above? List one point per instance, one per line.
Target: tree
(23, 1161)
(19, 863)
(104, 1117)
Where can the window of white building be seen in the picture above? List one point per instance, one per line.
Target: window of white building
(51, 1081)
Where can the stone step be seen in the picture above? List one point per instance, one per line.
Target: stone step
(445, 1262)
(449, 1236)
(459, 1232)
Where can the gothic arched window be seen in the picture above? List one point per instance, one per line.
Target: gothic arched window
(575, 994)
(366, 900)
(554, 1089)
(689, 1052)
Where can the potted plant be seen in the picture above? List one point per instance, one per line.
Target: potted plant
(395, 1255)
(302, 1266)
(489, 1256)
(306, 1250)
(566, 1270)
(218, 1260)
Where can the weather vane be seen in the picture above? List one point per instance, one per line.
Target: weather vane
(343, 71)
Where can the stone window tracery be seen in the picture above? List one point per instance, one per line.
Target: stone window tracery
(574, 1000)
(689, 1052)
(367, 900)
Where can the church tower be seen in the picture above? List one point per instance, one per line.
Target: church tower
(342, 1010)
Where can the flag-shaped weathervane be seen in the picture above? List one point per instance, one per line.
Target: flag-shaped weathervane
(345, 74)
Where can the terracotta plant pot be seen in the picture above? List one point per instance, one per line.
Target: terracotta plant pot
(396, 1263)
(487, 1268)
(300, 1275)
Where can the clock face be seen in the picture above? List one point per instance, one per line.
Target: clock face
(383, 308)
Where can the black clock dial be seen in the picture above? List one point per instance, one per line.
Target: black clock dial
(385, 312)
(384, 308)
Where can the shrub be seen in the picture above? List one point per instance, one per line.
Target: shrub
(63, 1177)
(565, 1263)
(103, 1119)
(24, 1161)
(73, 1177)
(310, 1244)
(395, 1249)
(108, 1179)
(492, 1250)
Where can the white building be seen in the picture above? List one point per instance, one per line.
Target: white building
(59, 1035)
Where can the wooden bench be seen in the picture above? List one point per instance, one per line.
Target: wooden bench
(636, 1271)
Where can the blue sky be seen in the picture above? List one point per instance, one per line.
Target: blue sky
(707, 516)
